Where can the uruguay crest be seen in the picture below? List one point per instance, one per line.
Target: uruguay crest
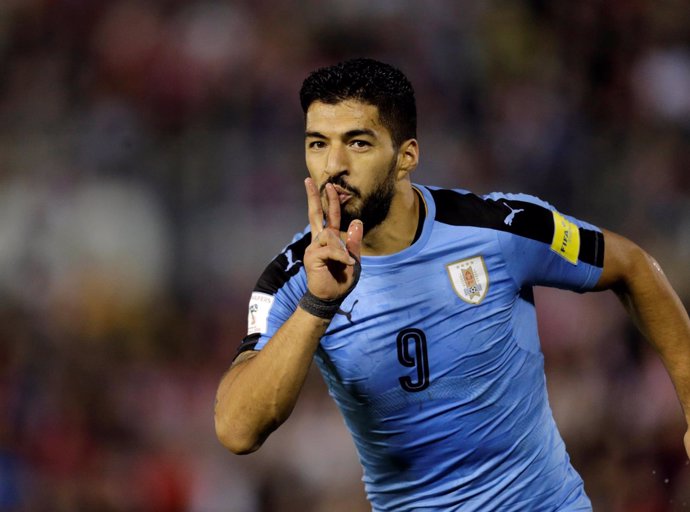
(470, 279)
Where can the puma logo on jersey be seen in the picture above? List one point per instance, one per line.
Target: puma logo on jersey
(347, 314)
(290, 262)
(508, 221)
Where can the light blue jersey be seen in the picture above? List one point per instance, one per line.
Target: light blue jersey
(434, 359)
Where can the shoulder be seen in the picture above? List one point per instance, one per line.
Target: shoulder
(285, 265)
(521, 214)
(525, 216)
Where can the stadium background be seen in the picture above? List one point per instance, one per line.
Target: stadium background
(151, 164)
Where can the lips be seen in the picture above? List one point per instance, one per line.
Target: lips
(343, 195)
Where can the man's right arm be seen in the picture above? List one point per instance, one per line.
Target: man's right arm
(261, 388)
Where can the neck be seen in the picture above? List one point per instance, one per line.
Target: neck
(397, 231)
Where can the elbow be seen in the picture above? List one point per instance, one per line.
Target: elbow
(237, 440)
(238, 446)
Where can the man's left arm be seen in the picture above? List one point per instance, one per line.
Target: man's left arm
(655, 308)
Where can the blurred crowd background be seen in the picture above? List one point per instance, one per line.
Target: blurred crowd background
(151, 164)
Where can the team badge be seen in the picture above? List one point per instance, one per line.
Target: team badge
(470, 279)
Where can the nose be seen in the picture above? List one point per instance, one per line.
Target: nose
(336, 161)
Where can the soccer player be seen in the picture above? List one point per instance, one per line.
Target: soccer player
(416, 303)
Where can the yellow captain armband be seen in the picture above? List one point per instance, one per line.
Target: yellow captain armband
(566, 238)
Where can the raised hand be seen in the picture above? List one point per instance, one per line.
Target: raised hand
(329, 262)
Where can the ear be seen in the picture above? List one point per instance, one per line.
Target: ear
(408, 157)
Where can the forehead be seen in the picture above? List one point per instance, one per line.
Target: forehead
(343, 117)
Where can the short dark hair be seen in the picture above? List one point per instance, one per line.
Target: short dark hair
(371, 82)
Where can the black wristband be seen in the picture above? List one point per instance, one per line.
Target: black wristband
(325, 308)
(319, 307)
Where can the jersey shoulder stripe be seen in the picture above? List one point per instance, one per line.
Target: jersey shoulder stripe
(287, 264)
(518, 214)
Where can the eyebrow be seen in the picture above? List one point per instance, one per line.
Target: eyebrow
(348, 135)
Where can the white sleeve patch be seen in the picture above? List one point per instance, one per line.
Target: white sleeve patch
(259, 307)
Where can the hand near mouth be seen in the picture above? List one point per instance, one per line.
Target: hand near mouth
(343, 194)
(330, 262)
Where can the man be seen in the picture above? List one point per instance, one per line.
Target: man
(431, 351)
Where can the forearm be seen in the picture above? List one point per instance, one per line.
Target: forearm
(257, 395)
(661, 317)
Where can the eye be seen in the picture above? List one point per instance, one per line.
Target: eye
(360, 144)
(316, 144)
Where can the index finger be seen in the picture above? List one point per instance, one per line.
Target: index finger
(314, 209)
(333, 217)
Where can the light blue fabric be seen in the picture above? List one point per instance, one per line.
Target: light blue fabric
(445, 399)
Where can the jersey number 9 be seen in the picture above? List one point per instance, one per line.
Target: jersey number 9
(412, 353)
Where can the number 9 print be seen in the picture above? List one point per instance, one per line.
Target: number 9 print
(412, 353)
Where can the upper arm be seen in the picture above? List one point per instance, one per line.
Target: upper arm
(243, 357)
(623, 261)
(236, 366)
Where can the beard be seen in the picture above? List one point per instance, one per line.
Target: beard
(373, 209)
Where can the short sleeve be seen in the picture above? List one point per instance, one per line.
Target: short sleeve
(276, 294)
(545, 247)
